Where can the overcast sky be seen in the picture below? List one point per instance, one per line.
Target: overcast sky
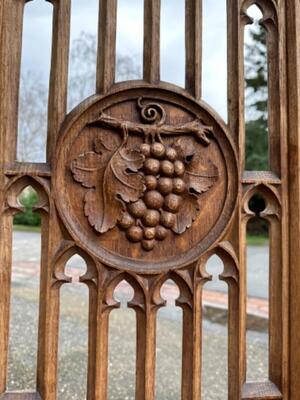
(37, 39)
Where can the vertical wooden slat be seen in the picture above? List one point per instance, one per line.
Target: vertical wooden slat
(10, 53)
(191, 348)
(236, 318)
(106, 57)
(276, 324)
(284, 228)
(49, 309)
(58, 88)
(98, 346)
(235, 69)
(146, 353)
(193, 45)
(152, 41)
(236, 125)
(49, 294)
(5, 282)
(293, 85)
(274, 100)
(235, 315)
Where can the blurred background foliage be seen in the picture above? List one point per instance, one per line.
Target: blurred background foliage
(28, 199)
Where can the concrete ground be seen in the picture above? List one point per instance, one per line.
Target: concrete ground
(73, 339)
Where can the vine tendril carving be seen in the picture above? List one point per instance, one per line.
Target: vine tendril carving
(151, 189)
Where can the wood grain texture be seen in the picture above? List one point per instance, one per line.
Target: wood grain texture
(21, 396)
(108, 180)
(261, 391)
(49, 306)
(152, 41)
(293, 53)
(106, 56)
(58, 88)
(235, 68)
(10, 52)
(102, 149)
(193, 39)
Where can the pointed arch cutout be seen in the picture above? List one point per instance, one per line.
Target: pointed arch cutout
(268, 9)
(185, 290)
(137, 286)
(270, 197)
(226, 253)
(66, 251)
(17, 186)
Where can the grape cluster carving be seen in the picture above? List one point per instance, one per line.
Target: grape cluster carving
(148, 190)
(151, 217)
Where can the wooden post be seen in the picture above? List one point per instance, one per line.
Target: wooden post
(293, 86)
(10, 53)
(152, 41)
(58, 88)
(106, 58)
(193, 40)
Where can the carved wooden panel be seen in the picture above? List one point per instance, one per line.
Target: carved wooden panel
(148, 182)
(145, 182)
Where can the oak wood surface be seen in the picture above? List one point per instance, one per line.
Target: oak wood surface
(152, 41)
(98, 168)
(193, 45)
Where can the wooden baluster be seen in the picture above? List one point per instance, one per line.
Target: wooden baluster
(51, 234)
(49, 308)
(58, 88)
(152, 41)
(106, 58)
(292, 8)
(5, 283)
(193, 45)
(98, 345)
(191, 347)
(146, 352)
(11, 18)
(276, 318)
(235, 335)
(236, 124)
(235, 43)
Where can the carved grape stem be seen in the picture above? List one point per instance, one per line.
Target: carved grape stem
(196, 127)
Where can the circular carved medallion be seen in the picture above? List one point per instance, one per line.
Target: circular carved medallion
(145, 179)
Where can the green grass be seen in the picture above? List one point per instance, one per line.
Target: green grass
(257, 240)
(27, 228)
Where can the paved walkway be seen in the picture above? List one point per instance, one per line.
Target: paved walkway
(72, 368)
(73, 349)
(26, 268)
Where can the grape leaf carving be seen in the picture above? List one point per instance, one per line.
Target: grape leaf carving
(200, 176)
(111, 174)
(114, 174)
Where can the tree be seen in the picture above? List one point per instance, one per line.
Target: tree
(256, 81)
(28, 199)
(32, 123)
